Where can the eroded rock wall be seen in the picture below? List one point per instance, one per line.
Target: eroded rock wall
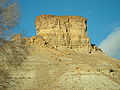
(68, 31)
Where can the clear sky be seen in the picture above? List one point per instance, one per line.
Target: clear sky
(103, 15)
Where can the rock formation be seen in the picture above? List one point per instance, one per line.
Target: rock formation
(70, 31)
(61, 32)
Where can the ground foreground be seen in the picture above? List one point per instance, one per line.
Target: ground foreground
(43, 68)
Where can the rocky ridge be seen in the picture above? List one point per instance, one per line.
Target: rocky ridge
(61, 32)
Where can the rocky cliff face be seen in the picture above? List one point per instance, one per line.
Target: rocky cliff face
(61, 32)
(70, 31)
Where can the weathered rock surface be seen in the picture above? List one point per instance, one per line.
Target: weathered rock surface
(70, 31)
(61, 32)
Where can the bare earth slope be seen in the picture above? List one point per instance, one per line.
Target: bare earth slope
(71, 70)
(51, 69)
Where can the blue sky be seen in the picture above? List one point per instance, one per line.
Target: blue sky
(103, 15)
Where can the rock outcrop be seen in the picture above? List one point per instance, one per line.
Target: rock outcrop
(70, 31)
(61, 32)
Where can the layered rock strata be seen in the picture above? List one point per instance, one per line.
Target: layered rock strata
(70, 31)
(60, 32)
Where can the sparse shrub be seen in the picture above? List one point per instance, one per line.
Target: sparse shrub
(112, 70)
(12, 56)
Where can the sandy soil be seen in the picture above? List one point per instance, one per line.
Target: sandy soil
(66, 69)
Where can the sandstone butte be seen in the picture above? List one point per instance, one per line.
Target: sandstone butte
(62, 31)
(59, 57)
